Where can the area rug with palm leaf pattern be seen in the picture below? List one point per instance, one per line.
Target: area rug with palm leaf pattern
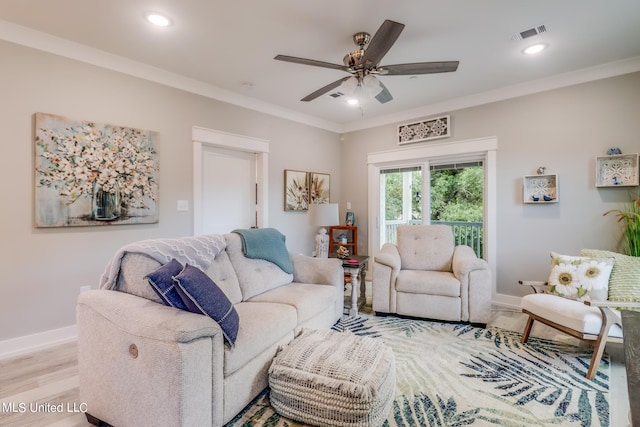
(455, 374)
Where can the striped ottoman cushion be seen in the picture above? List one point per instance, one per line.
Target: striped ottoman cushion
(329, 378)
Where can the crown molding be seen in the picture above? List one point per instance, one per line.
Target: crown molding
(58, 46)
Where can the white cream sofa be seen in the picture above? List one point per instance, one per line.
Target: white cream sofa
(427, 275)
(144, 363)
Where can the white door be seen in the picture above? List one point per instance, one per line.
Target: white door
(230, 181)
(228, 190)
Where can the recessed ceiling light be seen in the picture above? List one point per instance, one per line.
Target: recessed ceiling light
(158, 19)
(536, 48)
(352, 101)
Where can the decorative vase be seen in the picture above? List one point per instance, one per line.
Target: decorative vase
(106, 204)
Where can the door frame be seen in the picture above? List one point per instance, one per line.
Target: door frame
(214, 138)
(485, 147)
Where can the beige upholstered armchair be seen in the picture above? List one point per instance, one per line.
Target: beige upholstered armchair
(427, 275)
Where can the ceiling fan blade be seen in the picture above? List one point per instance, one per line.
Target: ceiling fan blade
(381, 42)
(419, 68)
(384, 96)
(324, 90)
(312, 62)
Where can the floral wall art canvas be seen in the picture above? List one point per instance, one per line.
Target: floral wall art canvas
(93, 174)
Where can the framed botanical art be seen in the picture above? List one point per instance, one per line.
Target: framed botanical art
(302, 188)
(89, 173)
(319, 187)
(296, 190)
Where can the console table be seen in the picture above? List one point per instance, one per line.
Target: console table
(631, 342)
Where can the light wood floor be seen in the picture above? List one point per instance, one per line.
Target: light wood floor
(50, 378)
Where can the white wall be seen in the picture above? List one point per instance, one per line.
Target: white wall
(43, 269)
(564, 130)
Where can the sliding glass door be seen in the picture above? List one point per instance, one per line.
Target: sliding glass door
(401, 199)
(434, 193)
(456, 192)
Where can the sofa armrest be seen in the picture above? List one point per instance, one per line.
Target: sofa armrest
(140, 317)
(320, 271)
(389, 256)
(386, 267)
(465, 261)
(475, 281)
(137, 357)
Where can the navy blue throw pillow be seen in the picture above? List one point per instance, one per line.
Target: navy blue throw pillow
(201, 295)
(161, 280)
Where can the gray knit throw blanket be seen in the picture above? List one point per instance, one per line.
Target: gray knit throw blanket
(198, 251)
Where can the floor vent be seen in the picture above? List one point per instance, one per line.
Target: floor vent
(529, 33)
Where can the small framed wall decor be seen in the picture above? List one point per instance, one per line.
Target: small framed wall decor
(540, 189)
(302, 188)
(319, 187)
(617, 170)
(296, 191)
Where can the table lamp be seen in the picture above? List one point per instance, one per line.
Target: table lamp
(323, 215)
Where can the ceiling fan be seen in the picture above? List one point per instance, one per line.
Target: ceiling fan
(363, 64)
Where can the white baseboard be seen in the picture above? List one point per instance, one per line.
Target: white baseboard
(506, 301)
(30, 343)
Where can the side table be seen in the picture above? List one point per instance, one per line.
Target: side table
(355, 265)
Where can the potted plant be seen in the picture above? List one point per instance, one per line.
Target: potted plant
(629, 220)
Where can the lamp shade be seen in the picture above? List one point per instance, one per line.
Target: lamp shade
(324, 214)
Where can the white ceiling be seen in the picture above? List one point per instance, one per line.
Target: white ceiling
(225, 49)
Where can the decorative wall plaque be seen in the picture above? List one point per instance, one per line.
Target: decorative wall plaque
(424, 130)
(540, 188)
(617, 170)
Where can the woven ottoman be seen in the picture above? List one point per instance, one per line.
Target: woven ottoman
(333, 379)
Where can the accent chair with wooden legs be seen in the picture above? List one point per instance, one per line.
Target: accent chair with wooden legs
(576, 302)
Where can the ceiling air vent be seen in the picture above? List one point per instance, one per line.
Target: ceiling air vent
(529, 33)
(336, 94)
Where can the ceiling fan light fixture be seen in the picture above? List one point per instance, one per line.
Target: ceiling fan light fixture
(348, 87)
(364, 63)
(371, 85)
(360, 90)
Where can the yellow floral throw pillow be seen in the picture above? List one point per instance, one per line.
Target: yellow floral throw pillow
(580, 278)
